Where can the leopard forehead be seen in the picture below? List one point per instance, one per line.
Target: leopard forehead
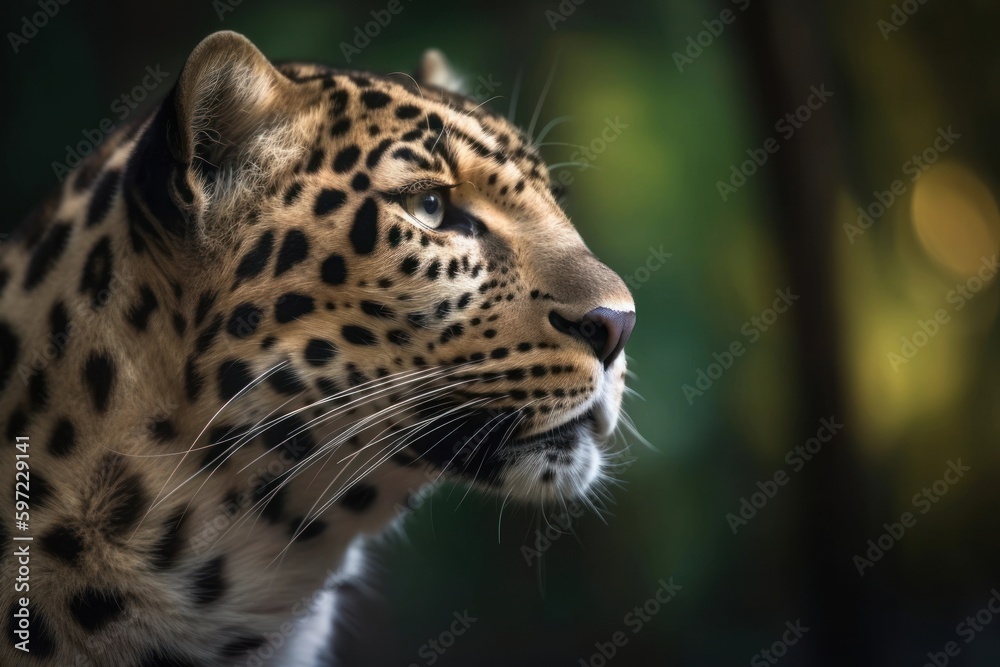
(365, 133)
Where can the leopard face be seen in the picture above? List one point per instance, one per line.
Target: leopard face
(396, 248)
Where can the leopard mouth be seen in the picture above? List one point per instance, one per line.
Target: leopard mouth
(483, 448)
(560, 438)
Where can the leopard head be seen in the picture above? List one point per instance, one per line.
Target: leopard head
(393, 263)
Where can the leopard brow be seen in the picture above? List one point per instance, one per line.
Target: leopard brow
(424, 185)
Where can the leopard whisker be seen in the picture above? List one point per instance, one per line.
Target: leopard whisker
(395, 446)
(559, 120)
(503, 440)
(541, 99)
(420, 93)
(441, 372)
(260, 427)
(384, 454)
(301, 465)
(353, 404)
(581, 165)
(558, 143)
(503, 505)
(330, 446)
(516, 92)
(156, 501)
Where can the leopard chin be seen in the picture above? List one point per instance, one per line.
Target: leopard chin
(567, 462)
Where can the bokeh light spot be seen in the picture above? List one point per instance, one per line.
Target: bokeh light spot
(955, 217)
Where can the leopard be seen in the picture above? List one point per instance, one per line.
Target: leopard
(252, 326)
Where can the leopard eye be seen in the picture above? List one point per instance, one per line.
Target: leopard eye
(427, 207)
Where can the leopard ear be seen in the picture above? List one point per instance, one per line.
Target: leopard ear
(435, 70)
(234, 116)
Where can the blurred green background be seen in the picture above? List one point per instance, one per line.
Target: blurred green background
(891, 332)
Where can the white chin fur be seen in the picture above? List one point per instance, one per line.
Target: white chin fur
(550, 473)
(534, 477)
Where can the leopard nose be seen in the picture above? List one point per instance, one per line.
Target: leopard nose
(605, 330)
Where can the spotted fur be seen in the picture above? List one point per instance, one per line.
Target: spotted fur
(236, 353)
